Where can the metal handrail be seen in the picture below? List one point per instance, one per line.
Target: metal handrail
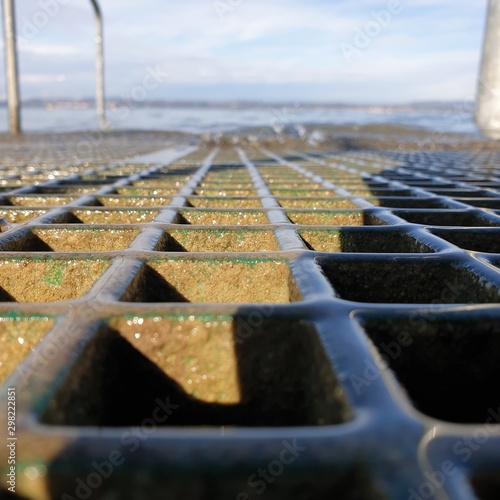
(12, 67)
(99, 39)
(488, 88)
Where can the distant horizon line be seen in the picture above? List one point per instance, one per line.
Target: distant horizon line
(113, 101)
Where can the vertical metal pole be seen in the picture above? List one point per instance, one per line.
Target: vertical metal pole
(488, 91)
(11, 67)
(100, 103)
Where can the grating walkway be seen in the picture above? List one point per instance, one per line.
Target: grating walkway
(250, 323)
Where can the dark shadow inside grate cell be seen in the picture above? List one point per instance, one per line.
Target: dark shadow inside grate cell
(218, 280)
(103, 178)
(168, 243)
(477, 240)
(219, 371)
(407, 282)
(364, 241)
(375, 184)
(486, 485)
(85, 182)
(150, 286)
(448, 367)
(493, 203)
(66, 218)
(485, 184)
(27, 242)
(461, 193)
(220, 481)
(446, 218)
(66, 190)
(6, 296)
(384, 192)
(411, 202)
(428, 184)
(9, 495)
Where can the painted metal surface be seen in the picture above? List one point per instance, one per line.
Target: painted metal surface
(369, 375)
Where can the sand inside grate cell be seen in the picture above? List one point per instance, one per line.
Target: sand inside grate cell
(213, 217)
(18, 337)
(47, 280)
(79, 240)
(220, 240)
(326, 218)
(41, 201)
(242, 280)
(156, 191)
(21, 215)
(224, 202)
(225, 192)
(314, 203)
(134, 201)
(227, 185)
(228, 175)
(160, 183)
(302, 185)
(303, 193)
(114, 216)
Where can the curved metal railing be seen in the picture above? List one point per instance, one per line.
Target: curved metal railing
(12, 67)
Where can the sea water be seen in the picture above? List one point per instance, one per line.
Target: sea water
(200, 120)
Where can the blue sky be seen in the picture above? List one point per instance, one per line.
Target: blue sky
(280, 50)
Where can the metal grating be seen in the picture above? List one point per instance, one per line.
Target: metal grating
(249, 323)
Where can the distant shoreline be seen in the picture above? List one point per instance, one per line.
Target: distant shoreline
(62, 103)
(71, 116)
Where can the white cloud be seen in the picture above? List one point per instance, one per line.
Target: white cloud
(41, 79)
(431, 49)
(48, 50)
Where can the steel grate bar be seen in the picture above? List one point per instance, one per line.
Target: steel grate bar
(344, 302)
